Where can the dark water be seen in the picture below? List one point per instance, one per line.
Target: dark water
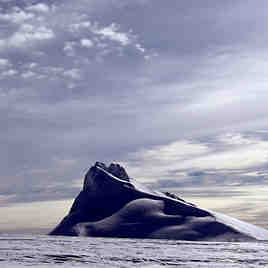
(48, 251)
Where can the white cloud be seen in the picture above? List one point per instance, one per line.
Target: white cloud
(86, 43)
(73, 73)
(32, 65)
(28, 33)
(17, 16)
(8, 73)
(230, 153)
(105, 39)
(176, 151)
(236, 139)
(41, 7)
(112, 32)
(155, 163)
(28, 74)
(140, 48)
(69, 48)
(76, 27)
(241, 158)
(4, 63)
(255, 174)
(51, 71)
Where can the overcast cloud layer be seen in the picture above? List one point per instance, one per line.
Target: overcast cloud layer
(176, 91)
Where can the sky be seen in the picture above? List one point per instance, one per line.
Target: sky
(175, 91)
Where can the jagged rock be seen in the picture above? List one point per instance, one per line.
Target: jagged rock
(112, 204)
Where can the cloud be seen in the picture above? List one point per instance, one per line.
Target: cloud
(28, 33)
(26, 36)
(40, 7)
(163, 158)
(69, 48)
(106, 39)
(4, 63)
(8, 73)
(17, 16)
(28, 74)
(229, 159)
(73, 73)
(83, 25)
(86, 43)
(112, 32)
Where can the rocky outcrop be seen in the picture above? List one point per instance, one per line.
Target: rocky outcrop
(112, 204)
(99, 198)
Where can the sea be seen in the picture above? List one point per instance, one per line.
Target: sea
(62, 251)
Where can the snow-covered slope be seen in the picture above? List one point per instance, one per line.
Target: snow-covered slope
(241, 226)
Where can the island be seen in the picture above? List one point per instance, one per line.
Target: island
(112, 204)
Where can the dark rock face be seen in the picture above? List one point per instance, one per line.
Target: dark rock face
(114, 205)
(98, 199)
